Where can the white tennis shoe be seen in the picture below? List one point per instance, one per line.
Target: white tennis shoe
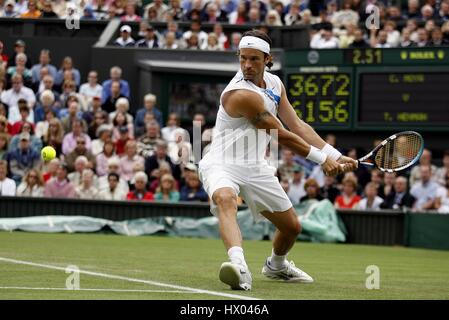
(290, 273)
(237, 276)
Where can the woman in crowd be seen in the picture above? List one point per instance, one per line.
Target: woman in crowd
(349, 198)
(312, 191)
(140, 192)
(102, 158)
(54, 135)
(87, 189)
(32, 184)
(167, 190)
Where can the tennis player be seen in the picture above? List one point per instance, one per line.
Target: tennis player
(236, 164)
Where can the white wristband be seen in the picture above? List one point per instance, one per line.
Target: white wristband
(331, 152)
(316, 155)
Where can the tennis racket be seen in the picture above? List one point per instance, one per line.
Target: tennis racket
(395, 153)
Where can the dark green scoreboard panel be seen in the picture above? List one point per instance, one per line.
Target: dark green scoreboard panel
(370, 89)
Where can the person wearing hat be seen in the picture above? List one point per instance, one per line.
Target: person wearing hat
(23, 158)
(125, 39)
(150, 40)
(60, 187)
(19, 47)
(9, 10)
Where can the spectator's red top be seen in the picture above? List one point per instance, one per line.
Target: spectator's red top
(148, 196)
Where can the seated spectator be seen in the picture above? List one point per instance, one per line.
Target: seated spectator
(47, 82)
(379, 40)
(24, 116)
(239, 16)
(47, 10)
(45, 105)
(160, 155)
(173, 123)
(67, 65)
(35, 142)
(44, 61)
(170, 41)
(296, 185)
(192, 43)
(193, 190)
(149, 107)
(60, 186)
(146, 144)
(441, 173)
(377, 178)
(442, 197)
(19, 47)
(121, 119)
(130, 13)
(349, 198)
(109, 104)
(54, 135)
(69, 94)
(424, 160)
(129, 159)
(212, 43)
(329, 190)
(113, 190)
(312, 191)
(159, 8)
(73, 113)
(80, 165)
(388, 183)
(51, 169)
(423, 38)
(86, 189)
(180, 151)
(393, 35)
(254, 16)
(9, 10)
(33, 12)
(324, 39)
(140, 192)
(91, 88)
(413, 11)
(4, 140)
(427, 12)
(406, 39)
(32, 184)
(371, 201)
(123, 138)
(104, 133)
(286, 164)
(399, 197)
(70, 139)
(156, 174)
(7, 185)
(125, 39)
(436, 39)
(103, 158)
(425, 190)
(167, 190)
(113, 167)
(20, 68)
(443, 13)
(13, 95)
(150, 40)
(200, 38)
(79, 150)
(99, 118)
(273, 19)
(115, 74)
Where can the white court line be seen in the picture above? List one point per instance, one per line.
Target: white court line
(111, 276)
(95, 289)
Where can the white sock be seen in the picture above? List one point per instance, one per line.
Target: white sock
(236, 255)
(277, 262)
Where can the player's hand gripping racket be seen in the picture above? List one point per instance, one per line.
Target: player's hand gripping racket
(395, 153)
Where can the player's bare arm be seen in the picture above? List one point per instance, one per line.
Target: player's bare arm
(244, 103)
(296, 125)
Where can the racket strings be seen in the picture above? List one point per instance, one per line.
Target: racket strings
(399, 152)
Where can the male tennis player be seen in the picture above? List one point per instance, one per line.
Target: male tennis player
(249, 106)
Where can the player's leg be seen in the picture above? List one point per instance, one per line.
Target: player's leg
(234, 273)
(277, 267)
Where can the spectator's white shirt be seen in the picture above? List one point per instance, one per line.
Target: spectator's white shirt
(296, 191)
(14, 115)
(341, 17)
(123, 43)
(424, 192)
(363, 204)
(10, 97)
(107, 194)
(7, 187)
(41, 129)
(415, 174)
(103, 184)
(318, 175)
(385, 45)
(202, 38)
(318, 42)
(24, 191)
(168, 133)
(89, 92)
(440, 175)
(21, 7)
(97, 147)
(82, 193)
(394, 38)
(444, 198)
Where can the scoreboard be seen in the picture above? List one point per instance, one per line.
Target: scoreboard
(372, 89)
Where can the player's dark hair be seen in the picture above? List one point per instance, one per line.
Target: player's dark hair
(263, 36)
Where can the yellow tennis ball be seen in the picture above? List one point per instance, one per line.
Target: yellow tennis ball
(48, 153)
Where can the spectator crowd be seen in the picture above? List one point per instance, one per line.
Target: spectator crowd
(333, 23)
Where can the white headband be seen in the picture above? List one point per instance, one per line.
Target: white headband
(254, 43)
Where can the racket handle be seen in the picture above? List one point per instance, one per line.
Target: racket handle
(367, 164)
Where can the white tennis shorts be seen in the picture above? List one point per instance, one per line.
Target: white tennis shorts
(257, 185)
